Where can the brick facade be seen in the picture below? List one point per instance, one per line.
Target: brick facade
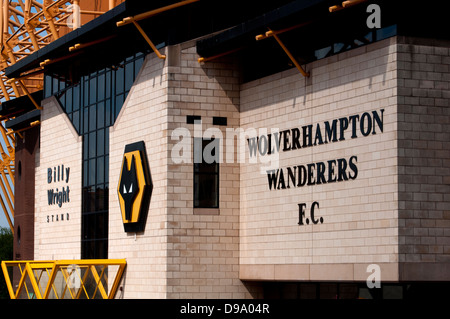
(143, 117)
(57, 229)
(359, 216)
(203, 245)
(24, 186)
(424, 153)
(393, 212)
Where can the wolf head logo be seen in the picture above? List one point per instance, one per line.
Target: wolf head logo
(135, 187)
(129, 187)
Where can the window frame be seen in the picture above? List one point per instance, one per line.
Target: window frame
(200, 208)
(92, 104)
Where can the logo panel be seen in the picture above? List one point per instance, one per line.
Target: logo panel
(135, 187)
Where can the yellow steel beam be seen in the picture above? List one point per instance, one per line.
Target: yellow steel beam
(68, 56)
(33, 281)
(10, 191)
(350, 3)
(7, 279)
(5, 164)
(32, 124)
(97, 279)
(4, 91)
(21, 284)
(25, 89)
(83, 280)
(51, 279)
(27, 76)
(122, 264)
(142, 32)
(277, 32)
(30, 268)
(79, 46)
(289, 54)
(345, 4)
(66, 277)
(149, 14)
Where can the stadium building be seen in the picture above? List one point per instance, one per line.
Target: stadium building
(277, 149)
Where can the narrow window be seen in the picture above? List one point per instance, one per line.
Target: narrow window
(206, 173)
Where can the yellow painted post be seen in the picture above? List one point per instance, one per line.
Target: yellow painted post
(21, 284)
(24, 88)
(51, 279)
(7, 280)
(289, 54)
(99, 282)
(33, 281)
(8, 200)
(51, 24)
(141, 31)
(122, 264)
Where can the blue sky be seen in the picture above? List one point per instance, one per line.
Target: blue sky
(3, 221)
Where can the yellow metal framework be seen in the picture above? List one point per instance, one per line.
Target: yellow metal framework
(25, 27)
(268, 34)
(7, 143)
(63, 279)
(274, 34)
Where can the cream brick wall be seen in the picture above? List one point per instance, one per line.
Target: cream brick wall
(181, 253)
(203, 248)
(360, 216)
(394, 213)
(59, 145)
(143, 117)
(424, 158)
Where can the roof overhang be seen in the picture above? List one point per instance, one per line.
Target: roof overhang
(109, 44)
(312, 24)
(243, 34)
(20, 105)
(24, 121)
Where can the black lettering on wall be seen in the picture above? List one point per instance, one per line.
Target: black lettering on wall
(335, 170)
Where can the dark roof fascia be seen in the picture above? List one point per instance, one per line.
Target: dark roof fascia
(32, 61)
(20, 105)
(24, 120)
(242, 33)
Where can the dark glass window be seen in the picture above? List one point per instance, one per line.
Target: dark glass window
(92, 104)
(206, 173)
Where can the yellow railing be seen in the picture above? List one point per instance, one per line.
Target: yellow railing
(63, 279)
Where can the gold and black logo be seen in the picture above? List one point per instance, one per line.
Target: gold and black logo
(135, 187)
